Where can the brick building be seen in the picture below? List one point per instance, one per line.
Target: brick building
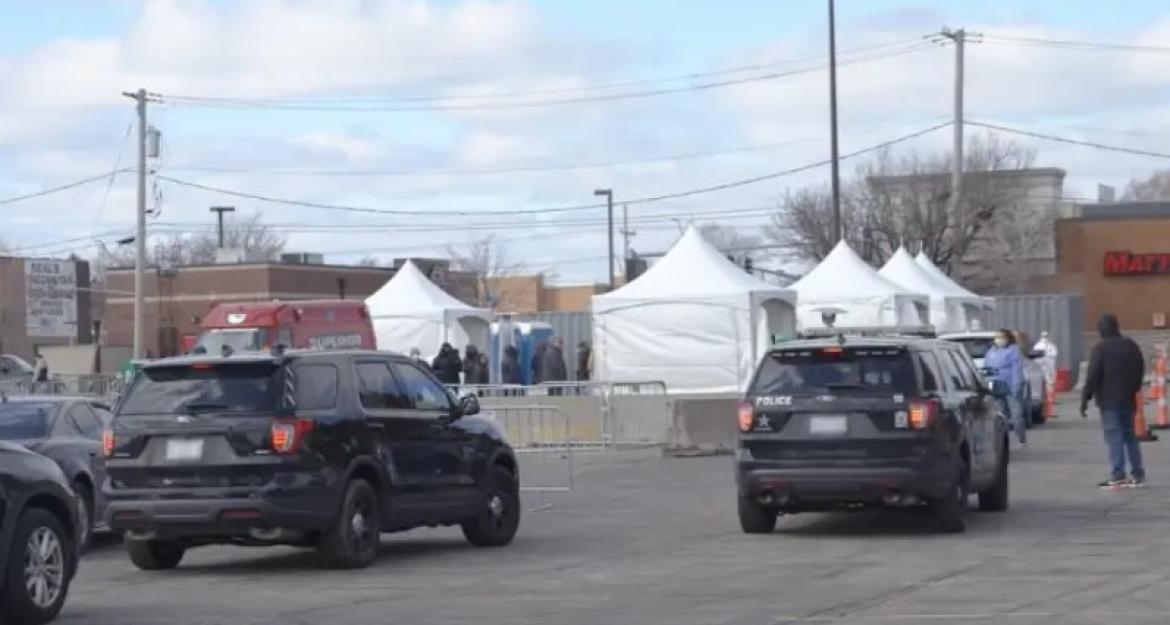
(177, 299)
(43, 301)
(530, 294)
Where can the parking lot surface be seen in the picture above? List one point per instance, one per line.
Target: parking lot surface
(645, 539)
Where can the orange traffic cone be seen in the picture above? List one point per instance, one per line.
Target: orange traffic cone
(1139, 421)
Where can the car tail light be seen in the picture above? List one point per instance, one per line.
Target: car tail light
(746, 416)
(108, 442)
(923, 413)
(288, 434)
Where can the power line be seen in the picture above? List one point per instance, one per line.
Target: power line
(1068, 43)
(64, 187)
(1090, 144)
(277, 104)
(557, 209)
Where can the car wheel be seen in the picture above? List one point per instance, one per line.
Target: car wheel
(39, 566)
(498, 520)
(950, 510)
(85, 513)
(755, 518)
(995, 498)
(354, 541)
(155, 555)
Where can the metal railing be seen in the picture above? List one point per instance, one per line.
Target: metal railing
(97, 385)
(543, 441)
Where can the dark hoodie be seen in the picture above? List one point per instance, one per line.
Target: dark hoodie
(1116, 369)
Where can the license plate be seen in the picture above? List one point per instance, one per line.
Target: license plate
(828, 425)
(184, 449)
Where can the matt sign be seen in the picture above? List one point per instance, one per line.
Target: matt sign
(50, 298)
(1130, 264)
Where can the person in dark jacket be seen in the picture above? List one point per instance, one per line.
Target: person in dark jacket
(1116, 372)
(584, 362)
(475, 366)
(538, 361)
(552, 364)
(447, 365)
(510, 367)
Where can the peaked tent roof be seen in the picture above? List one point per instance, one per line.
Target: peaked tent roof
(902, 269)
(843, 275)
(692, 269)
(409, 291)
(952, 287)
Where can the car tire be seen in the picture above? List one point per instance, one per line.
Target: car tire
(949, 511)
(155, 555)
(354, 541)
(755, 518)
(20, 605)
(995, 498)
(85, 513)
(497, 522)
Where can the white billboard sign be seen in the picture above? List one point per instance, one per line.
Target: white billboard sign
(50, 296)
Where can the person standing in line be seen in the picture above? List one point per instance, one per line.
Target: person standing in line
(552, 365)
(475, 366)
(584, 362)
(1007, 365)
(447, 366)
(510, 366)
(1114, 379)
(538, 361)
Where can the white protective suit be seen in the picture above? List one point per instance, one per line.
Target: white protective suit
(1048, 361)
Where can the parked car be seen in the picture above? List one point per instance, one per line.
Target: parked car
(323, 449)
(68, 430)
(38, 530)
(840, 424)
(977, 344)
(259, 326)
(14, 369)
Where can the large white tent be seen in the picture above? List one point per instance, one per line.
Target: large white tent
(694, 320)
(950, 311)
(987, 304)
(411, 311)
(845, 283)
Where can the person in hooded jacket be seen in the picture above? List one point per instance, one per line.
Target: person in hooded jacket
(475, 366)
(538, 361)
(447, 365)
(1115, 376)
(510, 367)
(552, 365)
(584, 362)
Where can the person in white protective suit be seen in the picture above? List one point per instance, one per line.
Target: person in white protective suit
(1048, 361)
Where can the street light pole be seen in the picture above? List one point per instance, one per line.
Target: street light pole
(221, 210)
(833, 122)
(608, 193)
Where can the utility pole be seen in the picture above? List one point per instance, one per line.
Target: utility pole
(626, 232)
(221, 210)
(140, 99)
(833, 122)
(608, 193)
(959, 37)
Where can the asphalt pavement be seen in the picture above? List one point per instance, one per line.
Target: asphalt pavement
(644, 539)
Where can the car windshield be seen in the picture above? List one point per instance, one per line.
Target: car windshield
(218, 387)
(237, 340)
(24, 420)
(976, 346)
(836, 370)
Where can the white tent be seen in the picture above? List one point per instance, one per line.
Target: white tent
(987, 304)
(694, 320)
(950, 311)
(863, 298)
(411, 311)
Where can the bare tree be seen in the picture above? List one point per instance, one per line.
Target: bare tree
(251, 234)
(907, 201)
(729, 240)
(489, 265)
(369, 261)
(1156, 187)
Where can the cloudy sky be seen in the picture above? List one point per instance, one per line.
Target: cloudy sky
(457, 119)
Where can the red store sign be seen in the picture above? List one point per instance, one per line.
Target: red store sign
(1130, 264)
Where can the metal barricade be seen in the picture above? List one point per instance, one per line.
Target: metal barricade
(636, 413)
(105, 386)
(543, 441)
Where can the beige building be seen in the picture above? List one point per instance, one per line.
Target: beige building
(530, 294)
(43, 301)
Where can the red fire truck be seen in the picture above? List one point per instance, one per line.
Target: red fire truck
(311, 324)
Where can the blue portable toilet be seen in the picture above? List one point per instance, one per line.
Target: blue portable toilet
(524, 336)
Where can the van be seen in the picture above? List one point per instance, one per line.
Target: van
(259, 326)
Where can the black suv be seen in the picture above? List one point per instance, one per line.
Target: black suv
(843, 423)
(321, 449)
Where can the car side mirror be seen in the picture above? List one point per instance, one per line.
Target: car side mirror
(468, 405)
(998, 388)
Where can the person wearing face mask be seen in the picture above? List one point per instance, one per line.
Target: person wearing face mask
(1007, 365)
